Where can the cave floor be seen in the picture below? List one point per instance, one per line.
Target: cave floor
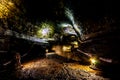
(52, 69)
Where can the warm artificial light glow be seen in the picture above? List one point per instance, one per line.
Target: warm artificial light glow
(66, 48)
(75, 43)
(93, 60)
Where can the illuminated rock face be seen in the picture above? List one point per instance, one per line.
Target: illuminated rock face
(8, 8)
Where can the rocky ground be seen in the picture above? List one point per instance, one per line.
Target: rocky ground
(49, 69)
